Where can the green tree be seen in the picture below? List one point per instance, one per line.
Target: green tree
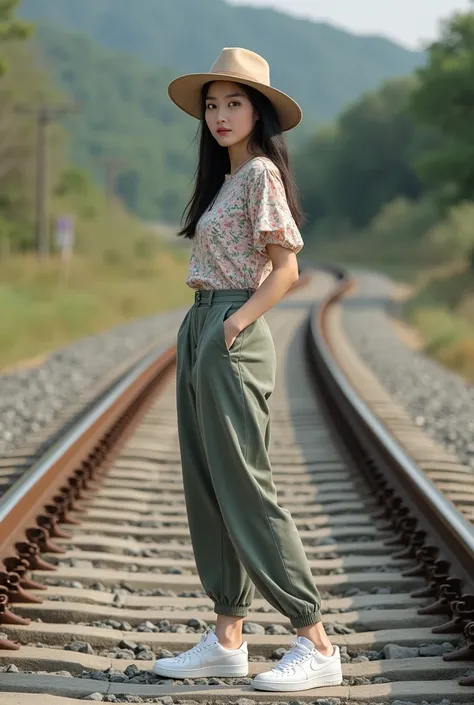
(349, 171)
(444, 99)
(23, 84)
(10, 28)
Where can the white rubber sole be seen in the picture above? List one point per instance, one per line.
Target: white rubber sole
(278, 686)
(206, 672)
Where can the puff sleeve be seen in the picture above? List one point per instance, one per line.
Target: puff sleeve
(270, 214)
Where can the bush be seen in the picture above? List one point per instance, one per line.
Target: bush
(460, 357)
(404, 219)
(454, 236)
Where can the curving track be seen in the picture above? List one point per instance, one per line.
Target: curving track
(125, 590)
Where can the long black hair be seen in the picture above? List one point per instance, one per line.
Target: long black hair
(214, 162)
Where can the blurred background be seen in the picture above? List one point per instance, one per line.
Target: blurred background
(96, 163)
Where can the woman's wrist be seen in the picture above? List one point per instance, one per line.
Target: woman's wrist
(234, 324)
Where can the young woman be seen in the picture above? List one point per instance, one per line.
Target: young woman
(243, 219)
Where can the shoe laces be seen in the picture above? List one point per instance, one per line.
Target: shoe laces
(292, 657)
(195, 649)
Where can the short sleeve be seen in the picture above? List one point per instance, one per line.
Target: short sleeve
(270, 214)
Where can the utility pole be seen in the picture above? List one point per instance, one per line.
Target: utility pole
(44, 114)
(112, 166)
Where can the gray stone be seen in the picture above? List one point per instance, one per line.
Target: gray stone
(80, 646)
(278, 653)
(178, 628)
(99, 587)
(127, 654)
(94, 696)
(11, 668)
(113, 623)
(276, 630)
(165, 653)
(145, 655)
(147, 626)
(394, 651)
(253, 628)
(345, 658)
(132, 670)
(434, 649)
(125, 644)
(197, 624)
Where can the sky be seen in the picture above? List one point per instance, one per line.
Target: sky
(412, 23)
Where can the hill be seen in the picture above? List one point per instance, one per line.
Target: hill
(321, 66)
(126, 114)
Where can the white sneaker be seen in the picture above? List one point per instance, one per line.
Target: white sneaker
(301, 668)
(206, 659)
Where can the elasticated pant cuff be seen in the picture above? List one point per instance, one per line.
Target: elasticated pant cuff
(305, 620)
(232, 610)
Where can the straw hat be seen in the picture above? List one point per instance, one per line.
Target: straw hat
(242, 66)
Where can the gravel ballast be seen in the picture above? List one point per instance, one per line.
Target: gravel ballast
(438, 400)
(32, 399)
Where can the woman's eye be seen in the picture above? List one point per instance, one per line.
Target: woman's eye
(232, 102)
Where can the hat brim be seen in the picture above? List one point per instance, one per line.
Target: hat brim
(185, 92)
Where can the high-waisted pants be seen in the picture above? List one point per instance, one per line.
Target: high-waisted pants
(240, 536)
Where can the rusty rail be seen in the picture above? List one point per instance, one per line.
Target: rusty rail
(430, 528)
(33, 509)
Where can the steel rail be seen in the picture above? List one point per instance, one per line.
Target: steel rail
(26, 498)
(456, 532)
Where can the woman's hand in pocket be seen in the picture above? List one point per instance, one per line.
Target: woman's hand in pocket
(231, 331)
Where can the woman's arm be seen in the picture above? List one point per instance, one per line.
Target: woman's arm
(272, 289)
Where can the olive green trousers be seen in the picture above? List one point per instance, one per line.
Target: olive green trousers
(241, 537)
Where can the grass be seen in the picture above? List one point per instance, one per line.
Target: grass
(442, 309)
(121, 270)
(120, 275)
(43, 308)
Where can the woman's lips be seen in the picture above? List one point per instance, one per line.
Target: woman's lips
(222, 132)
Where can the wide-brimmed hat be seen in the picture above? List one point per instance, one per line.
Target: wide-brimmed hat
(242, 66)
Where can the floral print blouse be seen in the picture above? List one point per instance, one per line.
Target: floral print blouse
(249, 212)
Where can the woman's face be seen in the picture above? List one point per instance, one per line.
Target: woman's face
(228, 108)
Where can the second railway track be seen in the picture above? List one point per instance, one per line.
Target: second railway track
(125, 591)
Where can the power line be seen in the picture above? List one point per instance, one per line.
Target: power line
(44, 115)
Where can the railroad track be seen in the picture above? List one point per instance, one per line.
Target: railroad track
(393, 561)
